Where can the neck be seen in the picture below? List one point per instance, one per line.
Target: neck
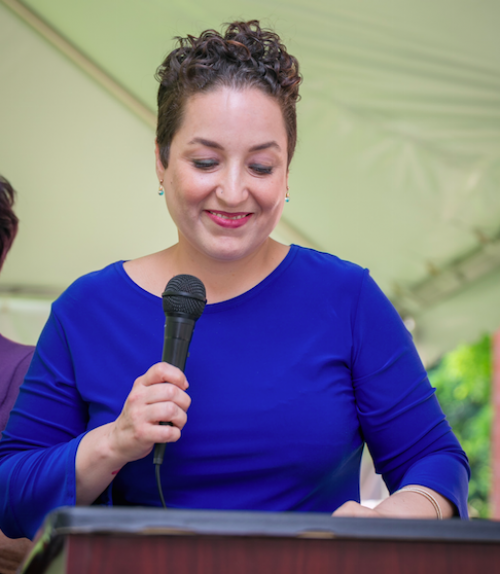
(225, 279)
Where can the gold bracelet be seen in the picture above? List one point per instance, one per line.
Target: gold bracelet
(427, 495)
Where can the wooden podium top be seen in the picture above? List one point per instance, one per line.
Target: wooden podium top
(141, 520)
(136, 525)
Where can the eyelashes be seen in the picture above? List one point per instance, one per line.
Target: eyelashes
(262, 169)
(208, 164)
(205, 164)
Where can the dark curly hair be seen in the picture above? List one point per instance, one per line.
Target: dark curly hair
(8, 220)
(245, 55)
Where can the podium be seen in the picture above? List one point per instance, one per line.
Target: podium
(97, 540)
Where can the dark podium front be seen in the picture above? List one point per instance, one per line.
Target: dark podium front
(152, 541)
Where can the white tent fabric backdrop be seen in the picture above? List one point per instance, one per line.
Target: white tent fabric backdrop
(397, 166)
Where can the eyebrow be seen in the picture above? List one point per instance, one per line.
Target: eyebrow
(266, 145)
(215, 145)
(207, 143)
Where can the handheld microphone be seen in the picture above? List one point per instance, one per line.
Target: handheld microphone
(184, 299)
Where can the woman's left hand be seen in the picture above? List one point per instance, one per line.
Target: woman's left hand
(353, 508)
(402, 504)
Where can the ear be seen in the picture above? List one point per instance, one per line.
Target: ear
(160, 169)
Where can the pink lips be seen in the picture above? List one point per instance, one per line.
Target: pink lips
(229, 220)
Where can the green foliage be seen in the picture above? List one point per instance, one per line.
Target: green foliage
(463, 387)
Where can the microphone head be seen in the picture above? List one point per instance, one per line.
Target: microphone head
(184, 296)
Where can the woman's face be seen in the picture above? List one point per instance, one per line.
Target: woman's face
(226, 179)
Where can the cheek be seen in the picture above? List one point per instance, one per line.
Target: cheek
(185, 190)
(273, 196)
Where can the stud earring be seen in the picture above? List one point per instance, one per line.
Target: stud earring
(161, 191)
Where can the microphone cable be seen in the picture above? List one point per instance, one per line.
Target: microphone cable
(158, 484)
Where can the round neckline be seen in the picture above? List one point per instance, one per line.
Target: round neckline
(221, 305)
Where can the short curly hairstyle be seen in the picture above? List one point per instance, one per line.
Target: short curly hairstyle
(244, 55)
(8, 219)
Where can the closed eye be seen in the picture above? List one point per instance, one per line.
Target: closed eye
(261, 169)
(205, 163)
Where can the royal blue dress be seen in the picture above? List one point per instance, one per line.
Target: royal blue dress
(288, 381)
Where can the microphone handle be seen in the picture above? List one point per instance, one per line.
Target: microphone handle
(178, 334)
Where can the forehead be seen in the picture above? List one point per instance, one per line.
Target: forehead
(244, 114)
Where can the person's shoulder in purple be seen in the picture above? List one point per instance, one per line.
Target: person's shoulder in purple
(14, 362)
(15, 359)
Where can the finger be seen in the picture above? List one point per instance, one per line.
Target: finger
(145, 431)
(164, 373)
(166, 433)
(345, 509)
(150, 434)
(166, 412)
(166, 392)
(353, 508)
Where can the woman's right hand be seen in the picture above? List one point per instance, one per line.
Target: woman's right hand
(158, 395)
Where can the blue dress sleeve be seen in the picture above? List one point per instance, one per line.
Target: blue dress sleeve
(403, 425)
(39, 444)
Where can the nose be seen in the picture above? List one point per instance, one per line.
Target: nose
(232, 188)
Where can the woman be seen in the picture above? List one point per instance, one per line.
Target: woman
(297, 359)
(14, 361)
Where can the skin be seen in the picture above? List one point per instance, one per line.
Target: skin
(227, 176)
(225, 187)
(12, 553)
(400, 505)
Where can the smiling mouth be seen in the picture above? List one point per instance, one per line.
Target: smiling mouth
(229, 220)
(229, 215)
